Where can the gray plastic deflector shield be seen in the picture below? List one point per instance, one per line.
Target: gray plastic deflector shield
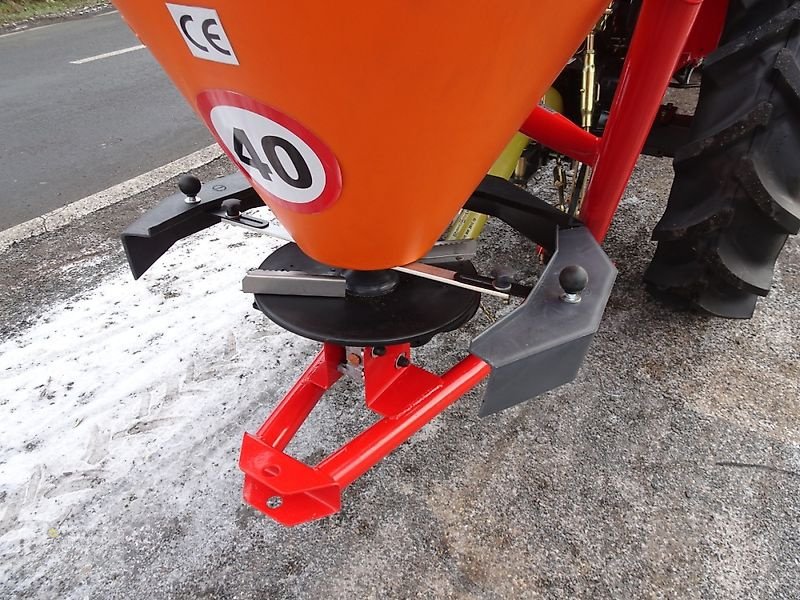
(541, 344)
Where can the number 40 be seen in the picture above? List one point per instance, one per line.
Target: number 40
(270, 143)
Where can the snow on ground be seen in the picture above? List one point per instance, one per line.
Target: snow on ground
(129, 381)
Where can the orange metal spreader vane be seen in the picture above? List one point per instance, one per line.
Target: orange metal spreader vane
(363, 125)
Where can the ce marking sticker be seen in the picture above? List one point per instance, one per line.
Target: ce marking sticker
(202, 31)
(279, 155)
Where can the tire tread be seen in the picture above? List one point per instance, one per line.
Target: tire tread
(736, 194)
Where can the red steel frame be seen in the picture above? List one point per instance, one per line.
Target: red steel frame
(658, 47)
(406, 396)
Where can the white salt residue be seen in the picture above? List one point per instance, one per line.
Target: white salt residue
(132, 383)
(630, 200)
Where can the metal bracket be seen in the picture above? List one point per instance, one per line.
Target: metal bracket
(254, 224)
(448, 251)
(531, 216)
(670, 131)
(293, 283)
(173, 219)
(542, 343)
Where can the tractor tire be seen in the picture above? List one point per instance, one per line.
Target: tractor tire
(736, 194)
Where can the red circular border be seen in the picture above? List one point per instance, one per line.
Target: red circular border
(210, 99)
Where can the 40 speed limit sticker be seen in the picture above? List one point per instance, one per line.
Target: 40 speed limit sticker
(281, 157)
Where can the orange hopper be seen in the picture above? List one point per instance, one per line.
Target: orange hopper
(363, 125)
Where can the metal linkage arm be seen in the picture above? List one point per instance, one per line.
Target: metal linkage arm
(406, 396)
(558, 133)
(660, 36)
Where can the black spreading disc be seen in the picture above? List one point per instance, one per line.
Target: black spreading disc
(415, 311)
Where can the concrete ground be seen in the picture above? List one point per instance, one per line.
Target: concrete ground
(669, 469)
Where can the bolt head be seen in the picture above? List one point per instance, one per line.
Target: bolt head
(232, 207)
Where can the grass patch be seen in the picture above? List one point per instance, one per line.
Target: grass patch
(18, 10)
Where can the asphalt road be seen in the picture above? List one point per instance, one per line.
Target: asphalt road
(670, 468)
(67, 130)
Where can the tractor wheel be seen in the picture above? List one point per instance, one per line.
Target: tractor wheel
(736, 194)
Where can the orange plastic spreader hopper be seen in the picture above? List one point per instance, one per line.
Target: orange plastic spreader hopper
(364, 125)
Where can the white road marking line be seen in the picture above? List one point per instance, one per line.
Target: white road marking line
(60, 217)
(83, 61)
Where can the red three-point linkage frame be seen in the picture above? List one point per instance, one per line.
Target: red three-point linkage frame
(406, 396)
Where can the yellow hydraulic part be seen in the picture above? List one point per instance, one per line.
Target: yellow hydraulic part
(468, 224)
(552, 100)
